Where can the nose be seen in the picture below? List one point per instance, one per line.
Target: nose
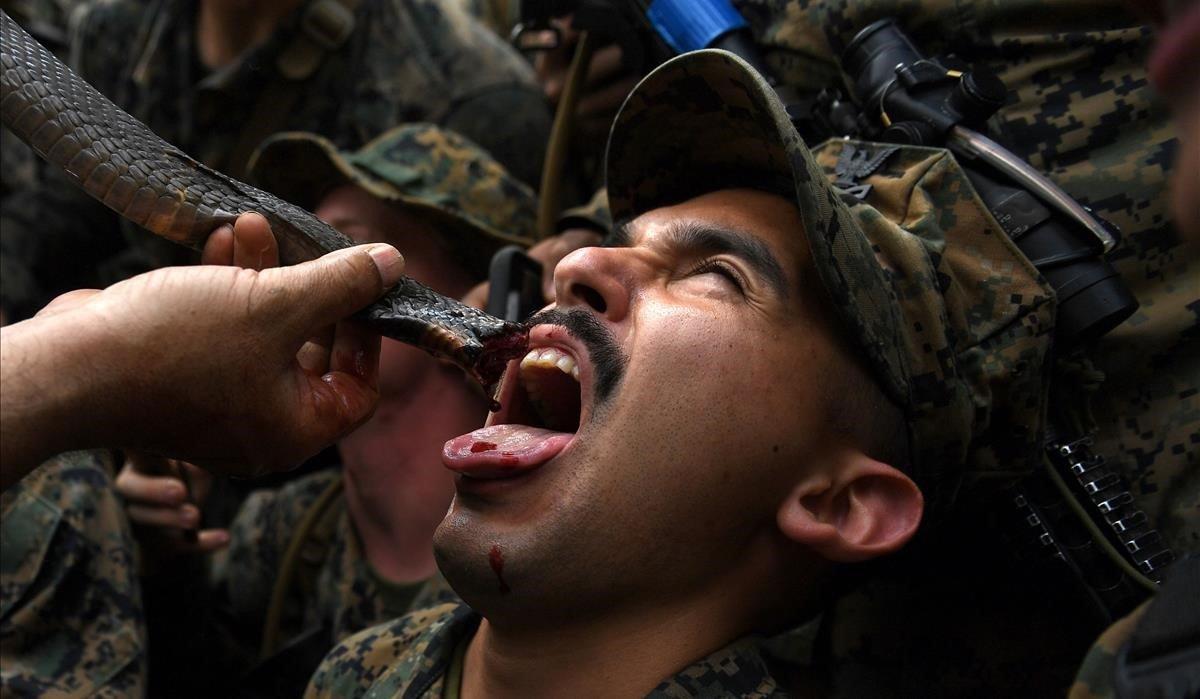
(594, 277)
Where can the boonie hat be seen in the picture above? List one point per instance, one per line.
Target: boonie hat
(452, 182)
(953, 321)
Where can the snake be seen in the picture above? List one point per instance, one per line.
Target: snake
(121, 162)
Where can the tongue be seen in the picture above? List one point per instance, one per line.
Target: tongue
(501, 451)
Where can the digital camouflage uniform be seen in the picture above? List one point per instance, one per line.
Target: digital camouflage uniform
(1081, 111)
(420, 656)
(71, 622)
(405, 61)
(953, 322)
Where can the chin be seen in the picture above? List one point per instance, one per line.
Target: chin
(472, 561)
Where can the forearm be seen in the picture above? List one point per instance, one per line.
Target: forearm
(43, 386)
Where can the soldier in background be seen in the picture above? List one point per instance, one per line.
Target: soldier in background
(337, 551)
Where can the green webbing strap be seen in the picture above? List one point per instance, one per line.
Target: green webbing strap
(316, 521)
(549, 192)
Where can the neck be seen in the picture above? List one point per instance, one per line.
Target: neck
(614, 656)
(225, 29)
(397, 489)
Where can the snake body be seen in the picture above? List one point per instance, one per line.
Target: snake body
(121, 162)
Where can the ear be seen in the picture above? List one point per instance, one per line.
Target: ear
(864, 510)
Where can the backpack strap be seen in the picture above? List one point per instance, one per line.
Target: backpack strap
(306, 550)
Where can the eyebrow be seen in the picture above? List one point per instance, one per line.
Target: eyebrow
(706, 239)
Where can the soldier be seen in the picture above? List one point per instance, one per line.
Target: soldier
(216, 79)
(1082, 111)
(330, 554)
(753, 388)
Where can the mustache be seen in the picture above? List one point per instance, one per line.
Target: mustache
(605, 355)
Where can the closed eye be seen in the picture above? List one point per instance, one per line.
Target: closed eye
(722, 269)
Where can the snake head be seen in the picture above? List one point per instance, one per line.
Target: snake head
(480, 344)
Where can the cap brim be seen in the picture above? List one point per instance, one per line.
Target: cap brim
(300, 167)
(707, 120)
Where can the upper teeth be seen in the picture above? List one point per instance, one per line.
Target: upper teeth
(549, 357)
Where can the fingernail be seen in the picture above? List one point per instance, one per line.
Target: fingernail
(173, 491)
(190, 516)
(389, 261)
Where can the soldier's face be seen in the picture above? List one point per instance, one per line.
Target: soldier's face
(661, 466)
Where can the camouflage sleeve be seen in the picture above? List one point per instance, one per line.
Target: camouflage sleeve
(400, 649)
(1098, 672)
(71, 619)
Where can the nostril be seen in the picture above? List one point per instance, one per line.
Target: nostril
(591, 297)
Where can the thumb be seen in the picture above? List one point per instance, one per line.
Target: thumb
(323, 291)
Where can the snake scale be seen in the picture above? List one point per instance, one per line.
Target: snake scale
(121, 162)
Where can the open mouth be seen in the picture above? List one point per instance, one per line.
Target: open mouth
(542, 397)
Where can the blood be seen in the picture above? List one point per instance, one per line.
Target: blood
(482, 446)
(511, 343)
(496, 559)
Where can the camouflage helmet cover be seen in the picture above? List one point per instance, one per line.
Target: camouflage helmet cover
(951, 318)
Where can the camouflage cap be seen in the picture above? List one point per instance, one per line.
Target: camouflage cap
(951, 318)
(438, 173)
